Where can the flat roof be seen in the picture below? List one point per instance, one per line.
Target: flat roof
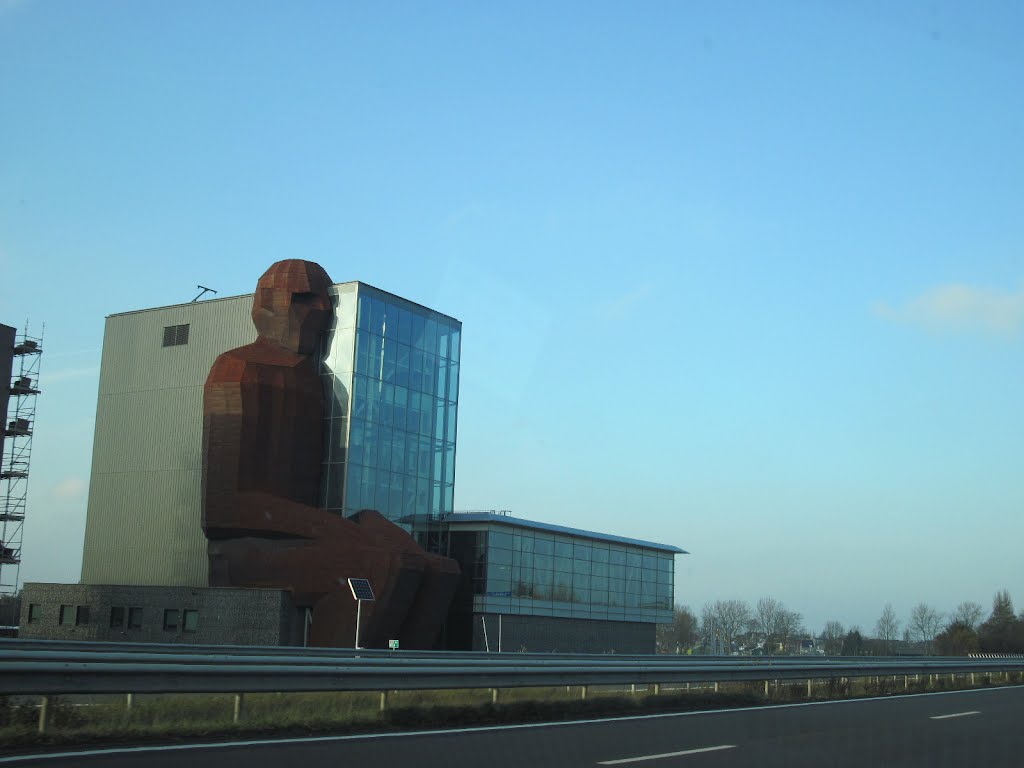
(249, 295)
(518, 522)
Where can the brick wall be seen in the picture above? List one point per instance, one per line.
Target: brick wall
(217, 616)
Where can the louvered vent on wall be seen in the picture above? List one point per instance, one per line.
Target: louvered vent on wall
(175, 335)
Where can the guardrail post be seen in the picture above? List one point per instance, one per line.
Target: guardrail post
(632, 689)
(239, 706)
(716, 686)
(129, 700)
(810, 688)
(383, 700)
(583, 692)
(44, 714)
(494, 695)
(657, 689)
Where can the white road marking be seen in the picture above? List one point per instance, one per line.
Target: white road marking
(666, 754)
(955, 714)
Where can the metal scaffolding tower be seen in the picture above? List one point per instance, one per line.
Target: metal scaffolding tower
(17, 452)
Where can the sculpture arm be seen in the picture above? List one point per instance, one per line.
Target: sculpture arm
(254, 513)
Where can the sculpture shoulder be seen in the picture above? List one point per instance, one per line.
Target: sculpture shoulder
(231, 366)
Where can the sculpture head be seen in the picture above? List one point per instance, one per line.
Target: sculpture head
(291, 305)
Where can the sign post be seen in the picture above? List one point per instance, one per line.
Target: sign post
(361, 590)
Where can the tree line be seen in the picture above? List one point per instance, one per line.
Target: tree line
(769, 627)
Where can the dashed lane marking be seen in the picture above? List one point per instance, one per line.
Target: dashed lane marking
(955, 714)
(641, 758)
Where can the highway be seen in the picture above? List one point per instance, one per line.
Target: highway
(971, 728)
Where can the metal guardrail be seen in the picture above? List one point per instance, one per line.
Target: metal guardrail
(36, 667)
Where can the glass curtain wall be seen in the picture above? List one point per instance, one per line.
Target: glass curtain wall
(530, 572)
(336, 374)
(402, 428)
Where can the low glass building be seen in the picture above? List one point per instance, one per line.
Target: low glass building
(555, 587)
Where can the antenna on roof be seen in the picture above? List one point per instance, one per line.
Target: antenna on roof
(204, 292)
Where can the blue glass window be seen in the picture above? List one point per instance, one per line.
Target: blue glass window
(418, 324)
(441, 389)
(456, 341)
(362, 350)
(430, 337)
(404, 326)
(453, 382)
(499, 556)
(376, 323)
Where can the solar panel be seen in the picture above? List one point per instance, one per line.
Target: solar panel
(361, 589)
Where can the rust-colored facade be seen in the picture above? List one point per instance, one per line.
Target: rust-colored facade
(262, 443)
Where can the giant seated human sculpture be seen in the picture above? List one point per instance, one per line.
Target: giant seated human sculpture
(262, 443)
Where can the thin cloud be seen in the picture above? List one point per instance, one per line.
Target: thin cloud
(622, 305)
(959, 307)
(71, 489)
(72, 353)
(67, 374)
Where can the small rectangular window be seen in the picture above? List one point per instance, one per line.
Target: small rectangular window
(190, 621)
(67, 615)
(175, 335)
(81, 615)
(35, 612)
(116, 617)
(171, 617)
(134, 618)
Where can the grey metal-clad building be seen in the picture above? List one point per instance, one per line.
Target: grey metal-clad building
(143, 518)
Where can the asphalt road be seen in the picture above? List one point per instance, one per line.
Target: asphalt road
(974, 728)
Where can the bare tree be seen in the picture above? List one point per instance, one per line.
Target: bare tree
(968, 613)
(887, 628)
(777, 625)
(765, 620)
(681, 634)
(833, 636)
(925, 623)
(791, 624)
(724, 622)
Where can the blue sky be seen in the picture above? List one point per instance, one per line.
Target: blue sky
(746, 278)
